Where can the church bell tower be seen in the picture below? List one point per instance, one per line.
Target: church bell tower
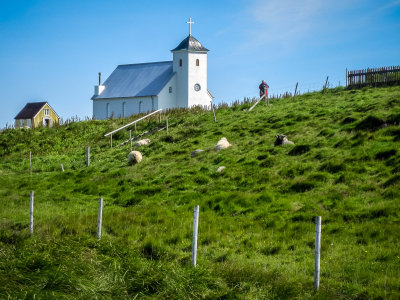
(190, 66)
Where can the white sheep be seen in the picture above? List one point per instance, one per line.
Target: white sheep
(222, 144)
(134, 157)
(142, 143)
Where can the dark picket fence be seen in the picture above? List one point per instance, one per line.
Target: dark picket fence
(373, 77)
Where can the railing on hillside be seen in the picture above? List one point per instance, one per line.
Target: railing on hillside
(132, 123)
(374, 77)
(254, 105)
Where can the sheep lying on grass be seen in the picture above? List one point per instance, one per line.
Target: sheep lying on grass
(142, 143)
(222, 144)
(134, 157)
(282, 140)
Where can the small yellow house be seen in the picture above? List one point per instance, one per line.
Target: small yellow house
(36, 114)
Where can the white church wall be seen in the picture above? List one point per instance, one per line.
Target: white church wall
(181, 78)
(99, 109)
(198, 75)
(124, 107)
(165, 98)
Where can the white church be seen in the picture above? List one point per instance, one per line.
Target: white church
(145, 87)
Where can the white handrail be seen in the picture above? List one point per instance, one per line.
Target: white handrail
(256, 103)
(154, 112)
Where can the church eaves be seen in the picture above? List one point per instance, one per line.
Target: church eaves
(190, 44)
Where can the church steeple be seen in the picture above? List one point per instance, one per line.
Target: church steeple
(190, 67)
(190, 43)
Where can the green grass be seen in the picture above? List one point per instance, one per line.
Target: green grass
(256, 231)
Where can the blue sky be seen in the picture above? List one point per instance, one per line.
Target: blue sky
(52, 50)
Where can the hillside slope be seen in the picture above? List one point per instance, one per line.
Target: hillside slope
(256, 232)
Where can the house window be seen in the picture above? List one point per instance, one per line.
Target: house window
(21, 123)
(124, 109)
(170, 89)
(180, 62)
(29, 123)
(107, 110)
(197, 62)
(46, 112)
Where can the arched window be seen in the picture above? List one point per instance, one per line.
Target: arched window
(197, 62)
(107, 110)
(180, 62)
(170, 89)
(123, 109)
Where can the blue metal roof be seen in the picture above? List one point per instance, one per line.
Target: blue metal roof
(137, 80)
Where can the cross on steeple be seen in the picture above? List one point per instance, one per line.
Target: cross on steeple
(190, 25)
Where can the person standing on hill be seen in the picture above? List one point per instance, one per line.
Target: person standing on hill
(263, 89)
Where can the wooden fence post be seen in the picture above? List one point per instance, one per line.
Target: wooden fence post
(317, 252)
(159, 118)
(166, 120)
(130, 138)
(99, 218)
(31, 213)
(195, 233)
(212, 107)
(326, 83)
(87, 156)
(62, 167)
(135, 130)
(111, 140)
(30, 162)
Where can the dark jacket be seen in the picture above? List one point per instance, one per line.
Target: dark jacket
(263, 88)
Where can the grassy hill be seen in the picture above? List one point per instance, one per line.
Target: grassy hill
(256, 231)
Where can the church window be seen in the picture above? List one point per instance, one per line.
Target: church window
(170, 89)
(197, 62)
(107, 110)
(46, 112)
(180, 62)
(140, 106)
(152, 104)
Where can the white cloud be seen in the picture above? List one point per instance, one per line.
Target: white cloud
(289, 20)
(281, 19)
